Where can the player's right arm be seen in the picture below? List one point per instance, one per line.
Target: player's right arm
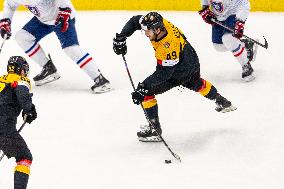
(9, 9)
(5, 23)
(204, 4)
(131, 26)
(119, 42)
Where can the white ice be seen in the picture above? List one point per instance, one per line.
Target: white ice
(87, 141)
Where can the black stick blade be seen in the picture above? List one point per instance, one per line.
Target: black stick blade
(266, 43)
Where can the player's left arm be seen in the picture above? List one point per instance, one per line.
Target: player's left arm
(243, 10)
(9, 9)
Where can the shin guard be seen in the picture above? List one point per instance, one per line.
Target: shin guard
(21, 175)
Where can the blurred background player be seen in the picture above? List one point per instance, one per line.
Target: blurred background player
(232, 13)
(51, 16)
(177, 64)
(14, 97)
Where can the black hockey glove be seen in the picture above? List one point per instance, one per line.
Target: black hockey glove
(5, 28)
(31, 115)
(139, 94)
(119, 44)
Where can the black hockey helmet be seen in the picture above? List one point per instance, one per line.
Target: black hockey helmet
(18, 65)
(152, 20)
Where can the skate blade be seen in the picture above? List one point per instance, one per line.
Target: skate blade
(249, 78)
(102, 89)
(48, 79)
(150, 139)
(228, 109)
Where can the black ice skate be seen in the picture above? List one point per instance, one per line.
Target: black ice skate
(223, 105)
(147, 134)
(47, 75)
(101, 85)
(251, 49)
(247, 73)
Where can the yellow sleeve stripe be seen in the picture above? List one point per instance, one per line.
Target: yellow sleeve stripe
(149, 103)
(205, 89)
(22, 169)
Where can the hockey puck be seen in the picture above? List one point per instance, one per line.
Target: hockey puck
(168, 161)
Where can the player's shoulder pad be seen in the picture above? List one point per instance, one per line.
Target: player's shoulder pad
(25, 81)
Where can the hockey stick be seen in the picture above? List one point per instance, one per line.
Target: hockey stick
(20, 129)
(265, 45)
(150, 123)
(4, 39)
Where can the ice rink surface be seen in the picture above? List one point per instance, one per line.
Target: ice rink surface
(87, 141)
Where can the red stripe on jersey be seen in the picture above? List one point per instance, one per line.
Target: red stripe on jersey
(159, 61)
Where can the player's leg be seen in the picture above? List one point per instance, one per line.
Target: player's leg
(197, 84)
(70, 44)
(28, 39)
(15, 146)
(217, 33)
(206, 89)
(147, 133)
(238, 49)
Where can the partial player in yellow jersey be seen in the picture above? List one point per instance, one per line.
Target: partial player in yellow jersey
(177, 65)
(15, 97)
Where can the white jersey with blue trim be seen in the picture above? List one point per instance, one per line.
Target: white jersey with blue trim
(45, 10)
(225, 8)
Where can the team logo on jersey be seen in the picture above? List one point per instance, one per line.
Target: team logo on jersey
(219, 7)
(34, 10)
(167, 45)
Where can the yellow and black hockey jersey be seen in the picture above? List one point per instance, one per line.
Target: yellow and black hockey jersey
(169, 48)
(14, 96)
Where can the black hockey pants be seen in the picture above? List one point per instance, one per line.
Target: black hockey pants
(185, 73)
(12, 143)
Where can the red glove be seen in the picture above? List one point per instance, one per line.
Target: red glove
(5, 28)
(239, 29)
(63, 18)
(207, 15)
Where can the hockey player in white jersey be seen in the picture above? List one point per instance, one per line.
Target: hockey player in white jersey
(232, 13)
(51, 16)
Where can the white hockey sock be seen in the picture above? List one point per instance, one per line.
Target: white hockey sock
(32, 48)
(236, 47)
(83, 60)
(220, 47)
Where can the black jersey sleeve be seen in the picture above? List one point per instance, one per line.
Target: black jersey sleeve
(131, 26)
(24, 97)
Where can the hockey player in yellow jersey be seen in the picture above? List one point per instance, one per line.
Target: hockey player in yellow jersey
(177, 65)
(15, 97)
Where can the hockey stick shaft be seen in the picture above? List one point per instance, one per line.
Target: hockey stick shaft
(231, 30)
(145, 113)
(3, 42)
(20, 129)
